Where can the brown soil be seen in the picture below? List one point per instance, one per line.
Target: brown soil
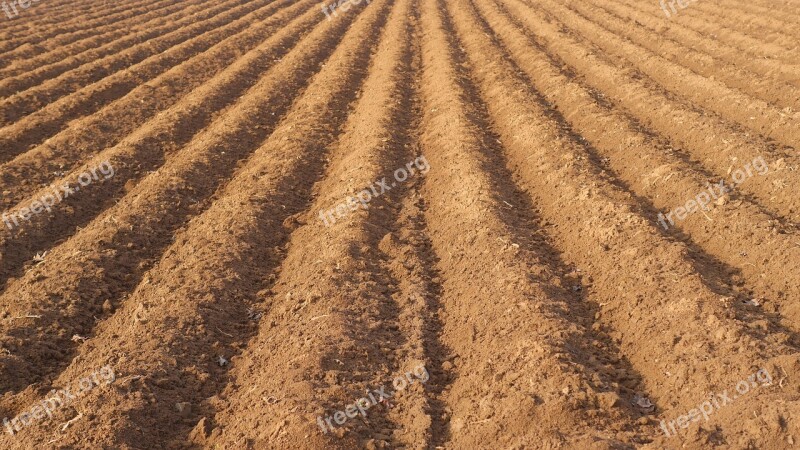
(518, 290)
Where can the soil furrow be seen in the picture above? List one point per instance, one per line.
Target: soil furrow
(427, 224)
(781, 95)
(360, 344)
(732, 104)
(21, 104)
(48, 120)
(406, 255)
(66, 34)
(29, 71)
(675, 32)
(778, 8)
(754, 46)
(59, 154)
(699, 346)
(146, 148)
(15, 32)
(76, 50)
(53, 13)
(759, 36)
(75, 13)
(224, 269)
(758, 23)
(500, 288)
(781, 20)
(712, 142)
(734, 233)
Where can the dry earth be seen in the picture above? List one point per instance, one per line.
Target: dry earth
(499, 222)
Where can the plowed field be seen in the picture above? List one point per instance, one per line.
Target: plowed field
(421, 224)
